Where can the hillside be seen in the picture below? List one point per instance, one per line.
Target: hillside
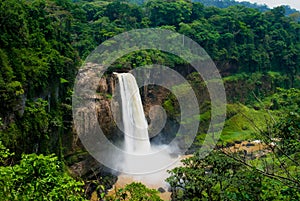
(227, 3)
(44, 44)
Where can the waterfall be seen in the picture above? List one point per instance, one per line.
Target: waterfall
(135, 127)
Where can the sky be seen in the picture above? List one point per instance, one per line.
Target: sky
(273, 3)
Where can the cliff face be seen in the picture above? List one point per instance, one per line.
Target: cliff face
(96, 94)
(105, 105)
(109, 115)
(161, 108)
(109, 110)
(153, 98)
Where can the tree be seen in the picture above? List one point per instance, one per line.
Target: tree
(214, 177)
(197, 11)
(288, 130)
(170, 12)
(38, 177)
(123, 13)
(135, 192)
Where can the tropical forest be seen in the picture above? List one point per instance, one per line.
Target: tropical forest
(233, 136)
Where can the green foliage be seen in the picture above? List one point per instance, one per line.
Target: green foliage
(231, 176)
(35, 124)
(35, 47)
(31, 132)
(142, 58)
(214, 177)
(169, 106)
(275, 190)
(43, 41)
(244, 39)
(124, 14)
(10, 90)
(135, 192)
(284, 100)
(247, 88)
(243, 122)
(38, 177)
(220, 176)
(168, 12)
(287, 129)
(4, 154)
(37, 60)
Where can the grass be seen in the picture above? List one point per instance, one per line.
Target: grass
(242, 123)
(233, 136)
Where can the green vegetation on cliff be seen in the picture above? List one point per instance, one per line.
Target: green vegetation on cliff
(43, 43)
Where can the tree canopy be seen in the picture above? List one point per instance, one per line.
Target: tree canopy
(43, 43)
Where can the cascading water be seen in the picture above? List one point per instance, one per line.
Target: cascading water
(140, 159)
(136, 139)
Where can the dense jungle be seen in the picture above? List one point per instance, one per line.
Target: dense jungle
(44, 43)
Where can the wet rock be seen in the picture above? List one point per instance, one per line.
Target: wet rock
(161, 190)
(86, 167)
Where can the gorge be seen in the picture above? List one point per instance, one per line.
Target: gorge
(45, 121)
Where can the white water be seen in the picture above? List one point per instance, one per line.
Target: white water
(136, 139)
(141, 162)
